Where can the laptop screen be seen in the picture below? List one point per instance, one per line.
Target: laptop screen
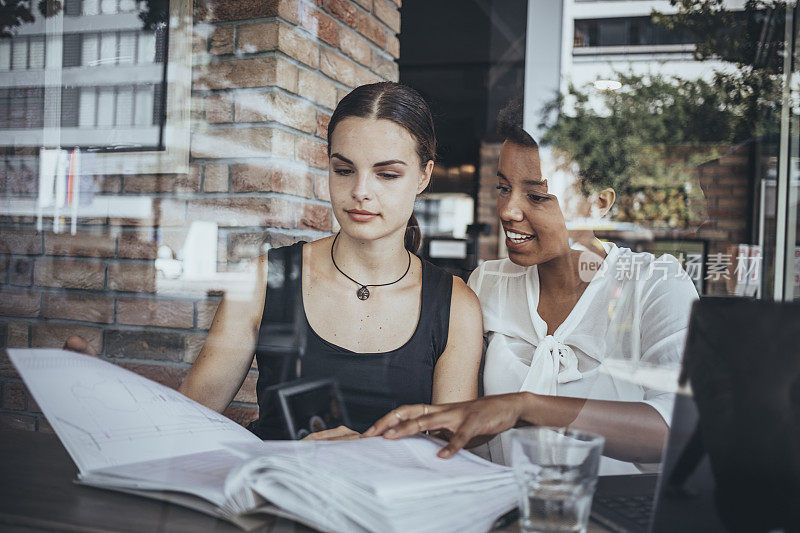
(733, 455)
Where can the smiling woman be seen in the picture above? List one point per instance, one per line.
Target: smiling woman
(560, 314)
(568, 325)
(390, 327)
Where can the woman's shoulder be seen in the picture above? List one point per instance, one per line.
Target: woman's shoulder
(442, 281)
(495, 269)
(439, 286)
(463, 295)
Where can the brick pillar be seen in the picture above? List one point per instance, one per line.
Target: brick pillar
(265, 79)
(487, 201)
(727, 185)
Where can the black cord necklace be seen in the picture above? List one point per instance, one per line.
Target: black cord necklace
(363, 291)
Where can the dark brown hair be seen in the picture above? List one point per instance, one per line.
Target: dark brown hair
(405, 107)
(509, 125)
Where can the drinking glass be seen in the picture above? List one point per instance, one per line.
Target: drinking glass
(556, 470)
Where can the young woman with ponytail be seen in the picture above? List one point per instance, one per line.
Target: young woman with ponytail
(392, 328)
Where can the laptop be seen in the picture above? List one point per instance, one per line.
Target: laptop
(626, 504)
(732, 459)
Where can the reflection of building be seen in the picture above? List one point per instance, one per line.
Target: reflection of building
(600, 38)
(89, 76)
(581, 41)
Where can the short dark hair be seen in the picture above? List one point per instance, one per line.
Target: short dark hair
(509, 124)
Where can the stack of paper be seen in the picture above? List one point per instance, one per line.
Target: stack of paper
(374, 485)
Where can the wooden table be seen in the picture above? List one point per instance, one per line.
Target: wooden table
(37, 493)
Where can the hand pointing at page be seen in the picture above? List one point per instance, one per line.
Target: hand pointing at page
(467, 424)
(631, 431)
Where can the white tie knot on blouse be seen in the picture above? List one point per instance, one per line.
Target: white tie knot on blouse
(552, 362)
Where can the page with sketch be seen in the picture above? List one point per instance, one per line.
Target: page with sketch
(106, 415)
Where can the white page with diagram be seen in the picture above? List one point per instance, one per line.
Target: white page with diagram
(106, 415)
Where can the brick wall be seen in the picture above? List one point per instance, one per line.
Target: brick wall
(266, 76)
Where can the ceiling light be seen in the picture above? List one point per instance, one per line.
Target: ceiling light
(607, 85)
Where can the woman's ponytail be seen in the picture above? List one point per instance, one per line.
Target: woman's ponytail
(413, 236)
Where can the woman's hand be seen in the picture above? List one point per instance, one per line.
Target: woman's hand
(634, 431)
(339, 433)
(467, 423)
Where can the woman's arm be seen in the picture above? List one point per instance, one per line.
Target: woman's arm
(455, 378)
(227, 354)
(634, 431)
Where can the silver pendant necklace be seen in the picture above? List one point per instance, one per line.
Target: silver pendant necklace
(363, 292)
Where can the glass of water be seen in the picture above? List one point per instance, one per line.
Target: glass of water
(556, 469)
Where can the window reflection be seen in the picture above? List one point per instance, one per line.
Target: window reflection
(688, 136)
(629, 31)
(96, 58)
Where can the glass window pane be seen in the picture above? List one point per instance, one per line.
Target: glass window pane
(36, 53)
(88, 107)
(105, 107)
(144, 105)
(147, 47)
(17, 107)
(124, 107)
(108, 48)
(34, 108)
(72, 8)
(5, 54)
(19, 59)
(89, 49)
(4, 102)
(161, 45)
(69, 107)
(583, 33)
(91, 7)
(127, 47)
(108, 7)
(613, 33)
(687, 183)
(158, 104)
(72, 50)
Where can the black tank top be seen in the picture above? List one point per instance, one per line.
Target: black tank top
(372, 384)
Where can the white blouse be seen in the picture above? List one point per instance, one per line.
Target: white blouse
(623, 340)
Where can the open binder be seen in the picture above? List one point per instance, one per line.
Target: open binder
(130, 434)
